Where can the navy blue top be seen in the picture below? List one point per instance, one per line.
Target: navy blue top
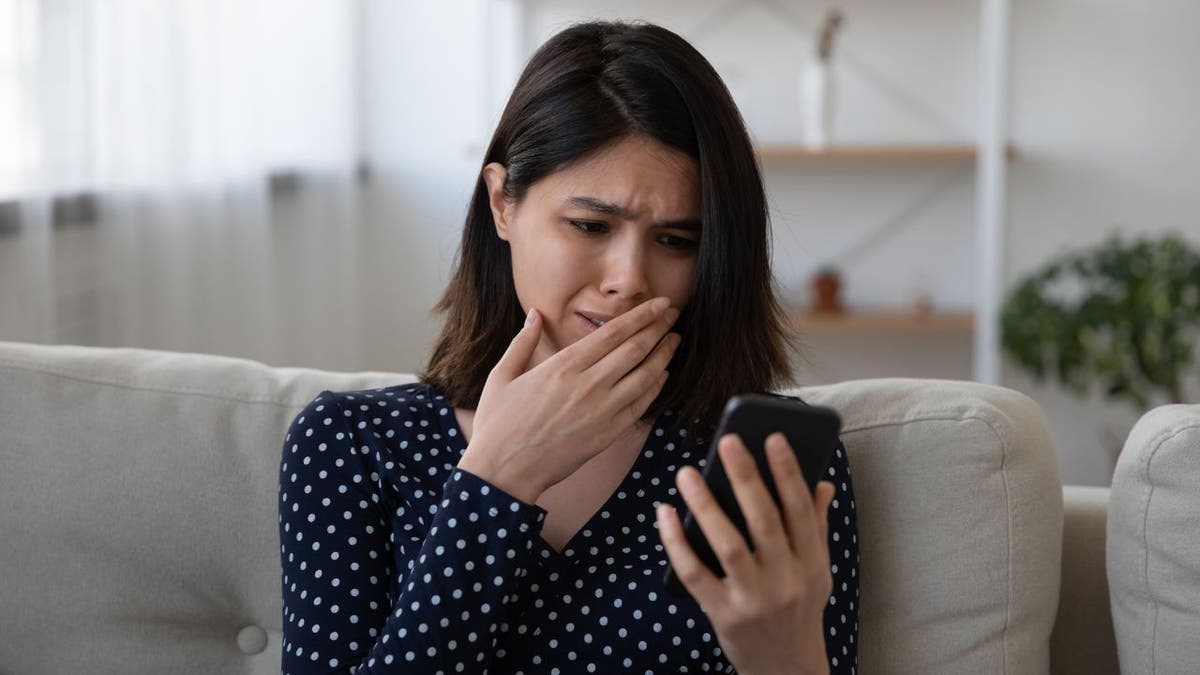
(396, 561)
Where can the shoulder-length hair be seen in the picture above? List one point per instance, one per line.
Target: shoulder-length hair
(586, 88)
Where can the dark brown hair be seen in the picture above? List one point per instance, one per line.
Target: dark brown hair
(586, 88)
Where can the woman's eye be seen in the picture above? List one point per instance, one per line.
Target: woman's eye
(587, 226)
(679, 243)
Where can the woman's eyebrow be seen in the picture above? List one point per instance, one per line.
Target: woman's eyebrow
(610, 209)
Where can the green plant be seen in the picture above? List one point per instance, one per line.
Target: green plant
(1123, 315)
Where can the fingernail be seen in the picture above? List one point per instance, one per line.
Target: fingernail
(688, 482)
(671, 314)
(664, 510)
(529, 318)
(659, 304)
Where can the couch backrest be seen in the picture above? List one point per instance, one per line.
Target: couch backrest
(1153, 545)
(139, 496)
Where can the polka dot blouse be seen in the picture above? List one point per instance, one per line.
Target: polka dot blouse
(396, 561)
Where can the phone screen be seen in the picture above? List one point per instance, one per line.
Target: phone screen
(812, 431)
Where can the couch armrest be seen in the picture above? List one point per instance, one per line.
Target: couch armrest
(1083, 640)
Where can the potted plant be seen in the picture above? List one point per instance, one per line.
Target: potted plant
(1123, 315)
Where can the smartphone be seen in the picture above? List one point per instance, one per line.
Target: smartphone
(812, 431)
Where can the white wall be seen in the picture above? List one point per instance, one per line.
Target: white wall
(426, 111)
(1102, 111)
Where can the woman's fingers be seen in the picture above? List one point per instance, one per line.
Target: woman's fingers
(634, 411)
(816, 548)
(825, 492)
(797, 502)
(704, 586)
(646, 376)
(516, 358)
(761, 514)
(638, 349)
(726, 542)
(600, 343)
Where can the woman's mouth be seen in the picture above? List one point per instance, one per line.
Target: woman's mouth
(590, 324)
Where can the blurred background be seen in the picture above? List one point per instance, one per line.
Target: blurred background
(1002, 190)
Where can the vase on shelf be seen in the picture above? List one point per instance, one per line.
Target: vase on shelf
(816, 104)
(817, 86)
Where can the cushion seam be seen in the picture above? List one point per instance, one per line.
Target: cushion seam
(1008, 504)
(939, 416)
(1164, 438)
(169, 390)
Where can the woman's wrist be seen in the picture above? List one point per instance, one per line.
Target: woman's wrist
(809, 659)
(814, 661)
(515, 483)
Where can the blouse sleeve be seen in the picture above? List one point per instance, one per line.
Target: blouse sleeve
(372, 584)
(841, 614)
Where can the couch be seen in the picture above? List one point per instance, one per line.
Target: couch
(139, 488)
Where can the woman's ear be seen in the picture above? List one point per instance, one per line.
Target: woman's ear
(494, 175)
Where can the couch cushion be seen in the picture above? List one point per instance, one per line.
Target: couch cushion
(1154, 543)
(960, 520)
(139, 491)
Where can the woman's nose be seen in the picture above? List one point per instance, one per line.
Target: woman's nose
(624, 274)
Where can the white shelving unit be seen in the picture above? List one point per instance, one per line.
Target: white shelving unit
(990, 183)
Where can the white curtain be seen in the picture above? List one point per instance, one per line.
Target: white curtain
(144, 146)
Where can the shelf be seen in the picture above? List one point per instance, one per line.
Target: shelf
(777, 152)
(883, 322)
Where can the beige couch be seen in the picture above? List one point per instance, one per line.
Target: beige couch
(138, 492)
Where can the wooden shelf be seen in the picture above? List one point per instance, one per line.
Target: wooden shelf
(883, 323)
(872, 153)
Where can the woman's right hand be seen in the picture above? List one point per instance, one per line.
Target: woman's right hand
(534, 428)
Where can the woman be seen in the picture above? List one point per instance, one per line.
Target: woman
(515, 510)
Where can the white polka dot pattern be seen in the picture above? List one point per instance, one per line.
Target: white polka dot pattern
(395, 561)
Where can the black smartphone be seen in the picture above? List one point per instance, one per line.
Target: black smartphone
(812, 431)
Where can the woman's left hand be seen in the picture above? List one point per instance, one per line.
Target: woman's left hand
(768, 611)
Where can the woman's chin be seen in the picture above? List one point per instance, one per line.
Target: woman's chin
(546, 348)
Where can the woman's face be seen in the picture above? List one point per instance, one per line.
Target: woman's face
(601, 236)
